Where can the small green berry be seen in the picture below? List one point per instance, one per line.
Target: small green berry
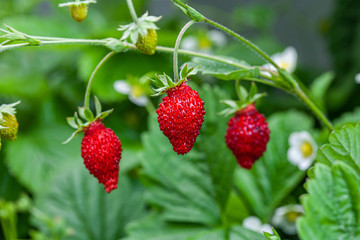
(10, 122)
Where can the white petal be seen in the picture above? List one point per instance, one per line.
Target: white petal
(269, 66)
(217, 37)
(298, 138)
(295, 156)
(286, 59)
(305, 163)
(140, 101)
(252, 223)
(279, 219)
(189, 43)
(357, 78)
(290, 56)
(122, 87)
(266, 228)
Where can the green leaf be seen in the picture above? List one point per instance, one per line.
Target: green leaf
(177, 184)
(77, 198)
(259, 187)
(348, 117)
(320, 85)
(343, 145)
(332, 207)
(219, 159)
(41, 153)
(153, 227)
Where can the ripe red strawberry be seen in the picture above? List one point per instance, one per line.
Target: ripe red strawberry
(247, 135)
(180, 117)
(147, 43)
(101, 151)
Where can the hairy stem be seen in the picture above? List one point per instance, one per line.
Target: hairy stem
(132, 11)
(300, 93)
(176, 50)
(88, 88)
(243, 40)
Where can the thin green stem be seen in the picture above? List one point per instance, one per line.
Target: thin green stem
(176, 50)
(243, 40)
(88, 88)
(180, 3)
(132, 11)
(300, 93)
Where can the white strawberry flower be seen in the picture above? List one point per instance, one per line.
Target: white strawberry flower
(303, 149)
(253, 223)
(285, 217)
(357, 78)
(204, 42)
(286, 60)
(136, 92)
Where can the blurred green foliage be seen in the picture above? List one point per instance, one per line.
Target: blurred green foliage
(160, 195)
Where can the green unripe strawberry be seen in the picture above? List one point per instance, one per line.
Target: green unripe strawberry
(79, 12)
(11, 127)
(147, 44)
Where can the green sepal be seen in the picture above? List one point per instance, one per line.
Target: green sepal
(71, 122)
(8, 108)
(185, 71)
(89, 115)
(191, 13)
(247, 98)
(81, 111)
(116, 45)
(103, 115)
(14, 35)
(274, 236)
(77, 119)
(164, 82)
(86, 114)
(133, 30)
(98, 107)
(73, 135)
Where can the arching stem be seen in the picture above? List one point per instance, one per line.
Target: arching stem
(88, 88)
(132, 11)
(176, 50)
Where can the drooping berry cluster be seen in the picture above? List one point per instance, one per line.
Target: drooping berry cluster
(180, 117)
(101, 151)
(247, 135)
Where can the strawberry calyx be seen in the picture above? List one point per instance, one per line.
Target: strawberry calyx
(76, 3)
(166, 84)
(244, 104)
(141, 27)
(84, 117)
(7, 109)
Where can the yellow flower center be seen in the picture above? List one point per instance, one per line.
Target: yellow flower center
(306, 149)
(292, 216)
(284, 65)
(204, 43)
(137, 91)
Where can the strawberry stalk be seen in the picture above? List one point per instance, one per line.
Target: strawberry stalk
(88, 88)
(132, 11)
(176, 50)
